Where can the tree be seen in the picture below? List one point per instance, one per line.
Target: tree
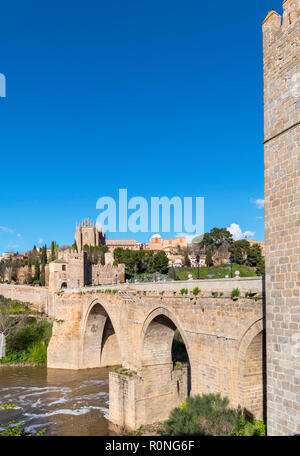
(44, 255)
(260, 268)
(172, 273)
(239, 250)
(216, 238)
(254, 255)
(161, 262)
(2, 270)
(12, 314)
(217, 241)
(36, 270)
(209, 260)
(53, 251)
(187, 261)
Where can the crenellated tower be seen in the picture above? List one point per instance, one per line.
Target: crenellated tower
(88, 234)
(281, 46)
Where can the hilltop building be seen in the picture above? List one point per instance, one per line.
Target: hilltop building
(88, 234)
(130, 244)
(168, 245)
(72, 270)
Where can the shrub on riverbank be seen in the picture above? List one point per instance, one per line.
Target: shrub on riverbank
(28, 343)
(209, 415)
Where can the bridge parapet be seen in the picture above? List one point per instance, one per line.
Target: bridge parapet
(137, 331)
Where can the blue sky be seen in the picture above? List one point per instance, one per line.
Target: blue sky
(164, 98)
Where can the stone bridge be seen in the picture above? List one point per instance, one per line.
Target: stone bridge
(224, 340)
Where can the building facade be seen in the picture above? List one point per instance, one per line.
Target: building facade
(130, 244)
(88, 234)
(72, 270)
(168, 245)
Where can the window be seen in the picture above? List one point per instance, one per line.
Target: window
(64, 267)
(86, 236)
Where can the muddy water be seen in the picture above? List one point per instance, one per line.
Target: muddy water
(68, 403)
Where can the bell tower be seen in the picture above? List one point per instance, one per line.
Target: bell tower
(88, 234)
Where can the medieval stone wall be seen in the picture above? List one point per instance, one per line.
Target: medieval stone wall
(282, 217)
(39, 297)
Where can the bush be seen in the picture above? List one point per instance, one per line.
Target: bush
(184, 291)
(37, 354)
(28, 343)
(235, 293)
(26, 336)
(207, 415)
(253, 428)
(196, 291)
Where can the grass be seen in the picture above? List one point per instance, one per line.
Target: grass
(36, 353)
(215, 272)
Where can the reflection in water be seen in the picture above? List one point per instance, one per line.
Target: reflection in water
(62, 401)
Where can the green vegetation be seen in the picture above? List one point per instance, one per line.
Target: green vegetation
(209, 415)
(11, 429)
(196, 291)
(26, 338)
(261, 268)
(235, 293)
(215, 272)
(35, 261)
(184, 291)
(253, 428)
(96, 254)
(142, 261)
(124, 371)
(243, 253)
(217, 239)
(172, 273)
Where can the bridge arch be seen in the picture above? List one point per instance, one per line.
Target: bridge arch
(155, 313)
(165, 384)
(252, 370)
(100, 340)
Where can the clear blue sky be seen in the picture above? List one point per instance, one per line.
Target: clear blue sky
(160, 97)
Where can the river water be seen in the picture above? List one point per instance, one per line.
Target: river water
(66, 403)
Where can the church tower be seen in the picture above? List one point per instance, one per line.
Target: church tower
(88, 234)
(281, 45)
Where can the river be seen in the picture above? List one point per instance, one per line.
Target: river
(66, 403)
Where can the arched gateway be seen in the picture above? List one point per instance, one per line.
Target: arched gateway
(222, 341)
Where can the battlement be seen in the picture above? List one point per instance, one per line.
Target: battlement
(274, 23)
(282, 231)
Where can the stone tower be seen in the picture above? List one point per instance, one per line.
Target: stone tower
(88, 234)
(281, 43)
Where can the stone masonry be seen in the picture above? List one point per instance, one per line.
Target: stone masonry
(224, 339)
(281, 43)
